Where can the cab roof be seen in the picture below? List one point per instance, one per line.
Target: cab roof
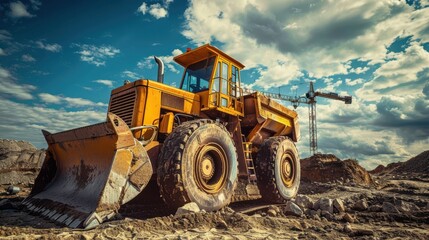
(201, 53)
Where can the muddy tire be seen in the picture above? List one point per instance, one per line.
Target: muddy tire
(198, 163)
(278, 170)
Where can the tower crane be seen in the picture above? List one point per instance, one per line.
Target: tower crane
(310, 99)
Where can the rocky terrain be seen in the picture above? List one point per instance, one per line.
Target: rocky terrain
(338, 200)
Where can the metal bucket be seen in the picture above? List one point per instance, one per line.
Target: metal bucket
(88, 173)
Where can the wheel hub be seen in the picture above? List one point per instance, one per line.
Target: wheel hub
(287, 170)
(211, 168)
(207, 167)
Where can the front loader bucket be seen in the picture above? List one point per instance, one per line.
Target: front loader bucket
(88, 173)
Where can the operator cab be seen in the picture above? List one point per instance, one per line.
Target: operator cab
(215, 77)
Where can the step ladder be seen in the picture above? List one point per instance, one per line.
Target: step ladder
(247, 146)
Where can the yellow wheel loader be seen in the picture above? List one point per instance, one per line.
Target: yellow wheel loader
(204, 142)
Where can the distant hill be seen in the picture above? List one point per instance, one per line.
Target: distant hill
(418, 164)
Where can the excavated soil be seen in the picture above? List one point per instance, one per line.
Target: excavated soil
(351, 205)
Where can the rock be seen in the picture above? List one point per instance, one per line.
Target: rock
(304, 225)
(187, 208)
(389, 208)
(327, 215)
(405, 207)
(228, 210)
(363, 232)
(361, 205)
(271, 213)
(375, 208)
(347, 228)
(11, 190)
(87, 236)
(221, 224)
(348, 218)
(339, 205)
(304, 201)
(324, 204)
(275, 208)
(293, 209)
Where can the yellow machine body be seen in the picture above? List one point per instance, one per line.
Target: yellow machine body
(91, 171)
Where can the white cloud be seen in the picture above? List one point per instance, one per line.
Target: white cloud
(156, 10)
(359, 70)
(49, 98)
(149, 62)
(108, 83)
(27, 58)
(54, 47)
(2, 52)
(31, 119)
(70, 102)
(131, 74)
(330, 85)
(9, 86)
(320, 47)
(350, 82)
(18, 10)
(96, 55)
(143, 8)
(402, 75)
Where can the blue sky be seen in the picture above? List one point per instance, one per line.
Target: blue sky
(59, 61)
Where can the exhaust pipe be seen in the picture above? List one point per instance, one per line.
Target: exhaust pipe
(160, 69)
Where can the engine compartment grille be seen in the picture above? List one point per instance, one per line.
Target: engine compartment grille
(122, 104)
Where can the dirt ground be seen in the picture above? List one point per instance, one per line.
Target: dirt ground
(230, 223)
(350, 204)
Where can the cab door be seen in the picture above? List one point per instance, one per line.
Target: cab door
(219, 88)
(225, 91)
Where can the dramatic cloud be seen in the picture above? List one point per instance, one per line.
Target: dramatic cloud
(27, 58)
(96, 55)
(403, 74)
(9, 86)
(156, 10)
(18, 10)
(54, 47)
(70, 102)
(108, 83)
(29, 119)
(286, 32)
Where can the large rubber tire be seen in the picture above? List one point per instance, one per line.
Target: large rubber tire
(278, 170)
(198, 163)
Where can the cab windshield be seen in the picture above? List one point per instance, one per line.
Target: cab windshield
(197, 75)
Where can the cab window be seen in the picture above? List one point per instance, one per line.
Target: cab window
(197, 75)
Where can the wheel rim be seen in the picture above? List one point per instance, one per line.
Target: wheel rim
(211, 168)
(287, 169)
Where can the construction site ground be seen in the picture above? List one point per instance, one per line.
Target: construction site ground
(384, 206)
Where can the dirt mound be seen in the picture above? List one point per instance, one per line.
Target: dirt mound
(328, 168)
(416, 165)
(20, 162)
